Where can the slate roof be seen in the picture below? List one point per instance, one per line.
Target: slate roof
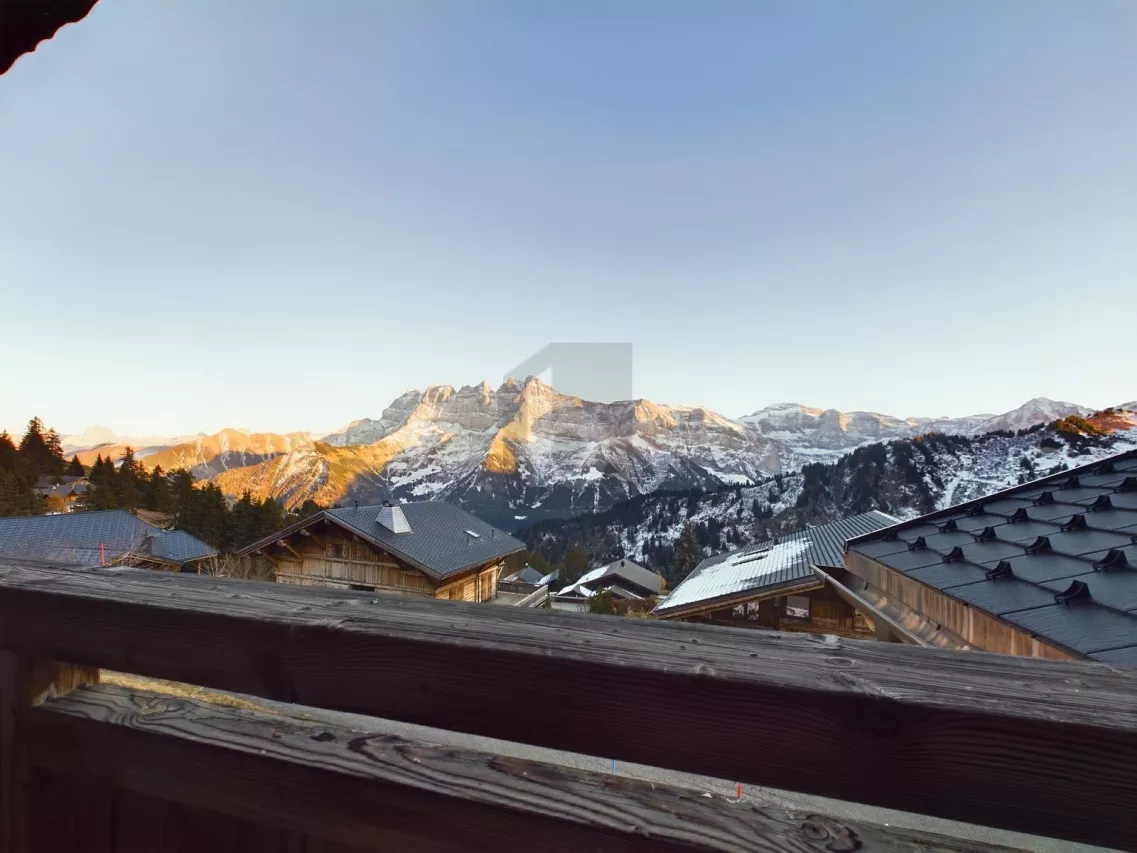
(782, 562)
(1056, 557)
(633, 574)
(439, 543)
(75, 538)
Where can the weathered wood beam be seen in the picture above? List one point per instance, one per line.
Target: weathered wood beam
(283, 543)
(24, 683)
(1036, 746)
(382, 792)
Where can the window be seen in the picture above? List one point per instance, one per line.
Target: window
(797, 607)
(337, 550)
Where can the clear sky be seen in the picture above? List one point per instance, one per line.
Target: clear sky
(280, 215)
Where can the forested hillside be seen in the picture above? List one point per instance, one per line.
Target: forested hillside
(174, 497)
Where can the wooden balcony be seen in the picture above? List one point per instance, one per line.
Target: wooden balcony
(1037, 746)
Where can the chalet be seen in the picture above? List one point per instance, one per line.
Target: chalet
(62, 493)
(623, 578)
(429, 548)
(789, 583)
(111, 537)
(1047, 569)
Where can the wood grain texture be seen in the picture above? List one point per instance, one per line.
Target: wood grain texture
(25, 681)
(1035, 746)
(384, 792)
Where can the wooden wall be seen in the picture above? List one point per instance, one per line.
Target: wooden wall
(829, 614)
(328, 556)
(977, 627)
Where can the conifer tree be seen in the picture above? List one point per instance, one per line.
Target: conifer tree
(75, 468)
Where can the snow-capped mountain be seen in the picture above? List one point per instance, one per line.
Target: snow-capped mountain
(520, 450)
(906, 478)
(524, 451)
(808, 435)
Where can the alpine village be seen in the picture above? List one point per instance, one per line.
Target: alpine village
(502, 617)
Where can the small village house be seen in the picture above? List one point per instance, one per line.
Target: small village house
(1046, 569)
(789, 584)
(112, 537)
(428, 548)
(625, 580)
(62, 493)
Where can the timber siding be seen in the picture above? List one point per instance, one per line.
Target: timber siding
(329, 557)
(440, 552)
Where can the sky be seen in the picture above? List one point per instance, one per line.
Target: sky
(281, 215)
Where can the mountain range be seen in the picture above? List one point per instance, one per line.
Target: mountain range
(524, 451)
(905, 477)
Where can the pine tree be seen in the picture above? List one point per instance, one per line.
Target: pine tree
(33, 448)
(157, 491)
(686, 555)
(75, 468)
(54, 462)
(575, 564)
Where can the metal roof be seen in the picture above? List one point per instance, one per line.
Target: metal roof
(75, 538)
(784, 561)
(632, 573)
(1056, 557)
(439, 542)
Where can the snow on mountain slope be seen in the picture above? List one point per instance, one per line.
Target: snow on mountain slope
(906, 478)
(525, 448)
(521, 445)
(810, 435)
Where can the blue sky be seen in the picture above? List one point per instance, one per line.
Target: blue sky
(279, 216)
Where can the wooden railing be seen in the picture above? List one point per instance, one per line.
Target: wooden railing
(1043, 747)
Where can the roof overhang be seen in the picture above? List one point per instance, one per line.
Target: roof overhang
(902, 620)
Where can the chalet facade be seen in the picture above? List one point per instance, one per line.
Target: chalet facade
(429, 548)
(111, 537)
(1045, 569)
(792, 583)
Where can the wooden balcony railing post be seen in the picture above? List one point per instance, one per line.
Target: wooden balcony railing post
(24, 683)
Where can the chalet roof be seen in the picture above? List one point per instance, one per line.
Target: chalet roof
(443, 539)
(785, 561)
(530, 575)
(1056, 557)
(625, 571)
(75, 538)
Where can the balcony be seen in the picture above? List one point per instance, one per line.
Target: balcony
(1035, 746)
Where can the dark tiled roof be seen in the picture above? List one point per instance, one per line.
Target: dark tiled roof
(1056, 557)
(785, 561)
(439, 542)
(75, 538)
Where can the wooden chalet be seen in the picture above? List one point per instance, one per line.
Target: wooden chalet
(429, 548)
(1046, 569)
(625, 580)
(790, 584)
